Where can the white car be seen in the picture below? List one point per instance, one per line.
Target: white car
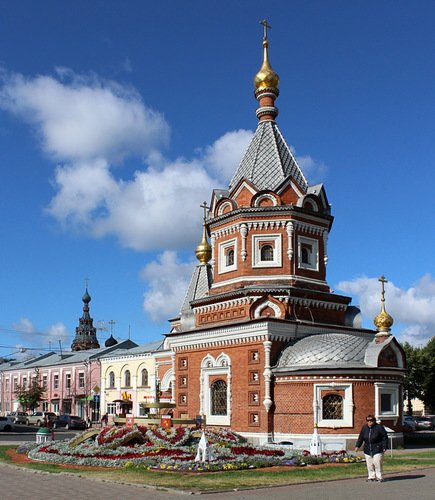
(6, 424)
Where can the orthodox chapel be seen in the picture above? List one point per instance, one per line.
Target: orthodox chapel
(262, 345)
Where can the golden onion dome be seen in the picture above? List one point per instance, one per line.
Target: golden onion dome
(203, 250)
(266, 77)
(383, 321)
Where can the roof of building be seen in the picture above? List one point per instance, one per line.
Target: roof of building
(268, 161)
(140, 349)
(325, 350)
(68, 357)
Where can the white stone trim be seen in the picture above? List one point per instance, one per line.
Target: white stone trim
(223, 206)
(391, 389)
(275, 239)
(314, 265)
(223, 268)
(268, 303)
(244, 233)
(269, 278)
(347, 420)
(210, 367)
(265, 196)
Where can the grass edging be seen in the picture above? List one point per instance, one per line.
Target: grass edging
(230, 480)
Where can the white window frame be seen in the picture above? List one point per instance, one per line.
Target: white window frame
(275, 240)
(314, 266)
(223, 247)
(347, 420)
(211, 367)
(393, 390)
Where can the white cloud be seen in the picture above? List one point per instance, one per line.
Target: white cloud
(29, 335)
(315, 171)
(225, 154)
(89, 124)
(82, 118)
(413, 309)
(167, 279)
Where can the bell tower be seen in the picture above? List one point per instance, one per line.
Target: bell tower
(268, 231)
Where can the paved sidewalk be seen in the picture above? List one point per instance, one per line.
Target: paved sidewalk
(16, 482)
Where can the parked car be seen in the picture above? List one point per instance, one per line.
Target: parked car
(38, 417)
(6, 424)
(423, 423)
(410, 423)
(18, 417)
(69, 422)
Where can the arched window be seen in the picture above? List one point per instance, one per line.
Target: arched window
(111, 380)
(306, 252)
(144, 377)
(127, 379)
(218, 392)
(230, 257)
(332, 407)
(266, 253)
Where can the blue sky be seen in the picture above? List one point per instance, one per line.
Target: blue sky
(118, 118)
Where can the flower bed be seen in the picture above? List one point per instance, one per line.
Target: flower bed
(171, 449)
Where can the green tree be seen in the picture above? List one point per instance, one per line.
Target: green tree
(428, 386)
(414, 378)
(30, 397)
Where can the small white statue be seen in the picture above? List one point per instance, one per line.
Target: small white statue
(205, 451)
(316, 443)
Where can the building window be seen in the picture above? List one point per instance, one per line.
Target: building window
(68, 381)
(183, 381)
(111, 380)
(127, 378)
(266, 253)
(182, 363)
(253, 357)
(81, 380)
(44, 381)
(308, 252)
(24, 382)
(218, 391)
(386, 400)
(266, 250)
(227, 256)
(332, 407)
(56, 381)
(182, 399)
(111, 408)
(144, 377)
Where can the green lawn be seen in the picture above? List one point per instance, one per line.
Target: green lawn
(216, 481)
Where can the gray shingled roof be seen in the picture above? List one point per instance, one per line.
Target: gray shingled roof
(268, 160)
(331, 349)
(199, 285)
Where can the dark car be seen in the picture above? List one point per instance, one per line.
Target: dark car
(69, 422)
(424, 423)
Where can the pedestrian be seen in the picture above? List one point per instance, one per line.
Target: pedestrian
(375, 439)
(104, 420)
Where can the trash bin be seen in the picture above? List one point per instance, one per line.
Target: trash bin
(42, 435)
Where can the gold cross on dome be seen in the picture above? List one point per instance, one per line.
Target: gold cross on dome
(205, 208)
(86, 283)
(266, 26)
(383, 281)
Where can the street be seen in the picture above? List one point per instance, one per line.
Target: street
(16, 482)
(23, 433)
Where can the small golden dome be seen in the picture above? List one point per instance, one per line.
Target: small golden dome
(383, 320)
(203, 250)
(266, 77)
